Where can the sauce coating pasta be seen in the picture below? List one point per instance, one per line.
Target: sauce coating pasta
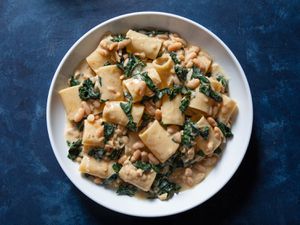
(147, 114)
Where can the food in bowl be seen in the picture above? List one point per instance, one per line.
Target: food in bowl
(147, 114)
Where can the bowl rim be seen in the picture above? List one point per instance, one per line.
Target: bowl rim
(51, 90)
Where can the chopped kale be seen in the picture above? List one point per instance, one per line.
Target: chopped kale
(109, 130)
(225, 130)
(162, 185)
(174, 57)
(126, 107)
(201, 153)
(181, 72)
(191, 131)
(86, 91)
(126, 189)
(197, 74)
(74, 149)
(100, 80)
(144, 76)
(118, 38)
(128, 96)
(146, 118)
(223, 81)
(152, 33)
(218, 151)
(110, 179)
(80, 125)
(133, 63)
(73, 81)
(116, 167)
(146, 167)
(207, 90)
(97, 153)
(185, 101)
(115, 154)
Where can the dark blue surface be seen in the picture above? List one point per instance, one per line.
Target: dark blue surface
(264, 36)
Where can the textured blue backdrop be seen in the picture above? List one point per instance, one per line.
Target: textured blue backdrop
(264, 35)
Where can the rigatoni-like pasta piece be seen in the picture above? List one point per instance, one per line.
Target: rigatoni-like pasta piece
(201, 102)
(212, 142)
(84, 69)
(132, 175)
(91, 133)
(71, 100)
(113, 113)
(171, 113)
(142, 43)
(110, 86)
(203, 61)
(136, 88)
(159, 141)
(98, 168)
(216, 85)
(98, 58)
(227, 109)
(163, 66)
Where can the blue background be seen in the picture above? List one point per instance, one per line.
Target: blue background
(264, 36)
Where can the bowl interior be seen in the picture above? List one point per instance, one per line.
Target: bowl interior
(235, 148)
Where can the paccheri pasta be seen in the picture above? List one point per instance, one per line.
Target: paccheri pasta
(147, 113)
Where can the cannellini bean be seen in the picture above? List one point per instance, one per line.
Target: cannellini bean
(78, 159)
(189, 181)
(124, 43)
(96, 104)
(162, 36)
(178, 39)
(172, 129)
(158, 114)
(177, 137)
(158, 104)
(103, 52)
(188, 172)
(139, 172)
(175, 46)
(152, 159)
(97, 180)
(125, 139)
(163, 197)
(79, 115)
(122, 159)
(135, 156)
(189, 64)
(193, 83)
(191, 153)
(190, 56)
(91, 118)
(138, 145)
(212, 121)
(86, 107)
(218, 133)
(144, 156)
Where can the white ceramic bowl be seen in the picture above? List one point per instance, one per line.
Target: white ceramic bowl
(235, 148)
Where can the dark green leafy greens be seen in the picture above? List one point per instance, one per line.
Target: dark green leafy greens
(118, 38)
(174, 57)
(74, 149)
(152, 33)
(223, 81)
(126, 107)
(108, 181)
(115, 154)
(225, 130)
(100, 81)
(74, 81)
(86, 91)
(146, 167)
(126, 189)
(197, 74)
(181, 72)
(144, 76)
(117, 167)
(109, 130)
(218, 151)
(191, 131)
(185, 101)
(201, 153)
(162, 185)
(107, 63)
(97, 153)
(133, 63)
(209, 92)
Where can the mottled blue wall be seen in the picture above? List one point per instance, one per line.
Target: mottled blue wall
(264, 35)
